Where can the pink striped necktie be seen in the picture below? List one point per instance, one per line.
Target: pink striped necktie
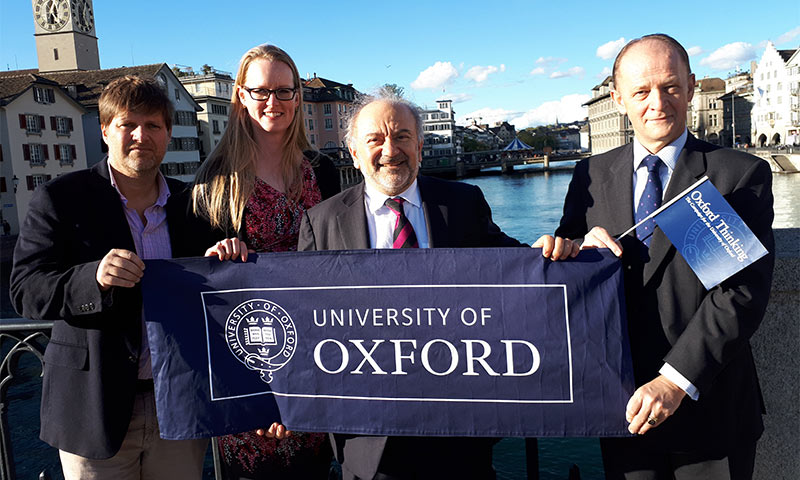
(403, 235)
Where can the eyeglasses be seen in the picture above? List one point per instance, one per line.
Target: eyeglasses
(262, 94)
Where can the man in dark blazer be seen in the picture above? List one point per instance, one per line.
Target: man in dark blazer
(685, 341)
(385, 140)
(78, 261)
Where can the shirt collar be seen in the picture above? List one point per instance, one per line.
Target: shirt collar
(669, 154)
(376, 199)
(163, 188)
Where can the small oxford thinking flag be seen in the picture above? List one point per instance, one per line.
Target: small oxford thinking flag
(711, 236)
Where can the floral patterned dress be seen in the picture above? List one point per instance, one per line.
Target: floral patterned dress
(272, 224)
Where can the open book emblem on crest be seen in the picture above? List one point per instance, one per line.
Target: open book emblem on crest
(261, 335)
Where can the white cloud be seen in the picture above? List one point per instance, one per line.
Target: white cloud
(567, 109)
(729, 56)
(480, 74)
(572, 72)
(487, 115)
(550, 61)
(694, 51)
(435, 76)
(606, 71)
(788, 36)
(537, 71)
(457, 97)
(610, 49)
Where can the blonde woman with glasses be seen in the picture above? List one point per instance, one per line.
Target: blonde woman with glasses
(255, 186)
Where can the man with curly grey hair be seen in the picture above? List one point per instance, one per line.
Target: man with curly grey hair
(396, 208)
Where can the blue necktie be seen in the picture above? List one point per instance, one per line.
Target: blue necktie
(650, 201)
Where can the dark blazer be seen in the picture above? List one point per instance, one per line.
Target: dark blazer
(91, 362)
(457, 215)
(671, 317)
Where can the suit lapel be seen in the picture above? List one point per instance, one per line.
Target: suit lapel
(352, 220)
(109, 205)
(436, 214)
(690, 167)
(118, 235)
(618, 186)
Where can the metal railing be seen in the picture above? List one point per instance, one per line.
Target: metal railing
(17, 338)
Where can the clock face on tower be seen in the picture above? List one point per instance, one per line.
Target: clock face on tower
(82, 15)
(51, 14)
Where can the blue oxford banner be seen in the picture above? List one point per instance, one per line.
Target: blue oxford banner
(461, 342)
(711, 236)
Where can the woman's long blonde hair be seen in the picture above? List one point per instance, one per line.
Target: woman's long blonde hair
(226, 179)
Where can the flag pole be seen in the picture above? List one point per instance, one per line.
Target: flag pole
(662, 207)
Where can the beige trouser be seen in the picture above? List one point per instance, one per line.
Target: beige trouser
(143, 455)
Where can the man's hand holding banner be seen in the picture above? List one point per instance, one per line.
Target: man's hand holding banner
(460, 342)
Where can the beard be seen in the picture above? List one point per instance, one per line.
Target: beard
(394, 180)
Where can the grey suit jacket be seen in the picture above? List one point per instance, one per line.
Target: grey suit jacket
(457, 215)
(671, 317)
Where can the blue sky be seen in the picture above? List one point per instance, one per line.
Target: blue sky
(526, 62)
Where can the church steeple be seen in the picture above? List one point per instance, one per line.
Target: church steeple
(65, 35)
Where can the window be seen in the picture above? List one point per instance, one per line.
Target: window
(188, 144)
(779, 86)
(36, 180)
(179, 168)
(44, 95)
(225, 124)
(177, 95)
(330, 145)
(62, 125)
(215, 125)
(308, 108)
(219, 109)
(31, 123)
(183, 117)
(36, 153)
(311, 126)
(313, 142)
(326, 108)
(328, 124)
(65, 154)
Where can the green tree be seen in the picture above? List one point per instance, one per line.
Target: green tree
(207, 69)
(537, 137)
(525, 136)
(472, 145)
(392, 89)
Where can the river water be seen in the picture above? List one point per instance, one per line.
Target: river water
(528, 203)
(525, 205)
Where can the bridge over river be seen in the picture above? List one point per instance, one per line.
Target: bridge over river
(463, 165)
(472, 163)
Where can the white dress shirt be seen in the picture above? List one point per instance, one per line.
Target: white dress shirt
(381, 220)
(669, 155)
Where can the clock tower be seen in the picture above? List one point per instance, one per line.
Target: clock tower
(65, 35)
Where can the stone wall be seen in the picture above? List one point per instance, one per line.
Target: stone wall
(776, 346)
